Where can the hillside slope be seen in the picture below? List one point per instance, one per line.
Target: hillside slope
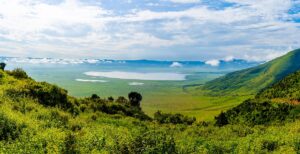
(286, 90)
(254, 79)
(276, 103)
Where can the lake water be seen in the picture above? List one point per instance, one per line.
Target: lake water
(115, 77)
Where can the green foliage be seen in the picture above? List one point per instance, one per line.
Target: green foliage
(286, 89)
(254, 112)
(135, 98)
(221, 120)
(8, 128)
(118, 108)
(46, 94)
(153, 142)
(254, 79)
(2, 66)
(18, 73)
(165, 118)
(95, 97)
(70, 145)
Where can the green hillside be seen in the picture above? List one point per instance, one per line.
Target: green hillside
(254, 79)
(37, 117)
(286, 90)
(276, 103)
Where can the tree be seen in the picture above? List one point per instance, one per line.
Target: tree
(110, 99)
(19, 73)
(135, 98)
(2, 66)
(221, 120)
(95, 97)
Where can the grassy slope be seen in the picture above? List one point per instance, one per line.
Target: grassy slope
(46, 133)
(286, 90)
(254, 79)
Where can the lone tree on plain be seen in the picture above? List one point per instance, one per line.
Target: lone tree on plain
(135, 99)
(2, 66)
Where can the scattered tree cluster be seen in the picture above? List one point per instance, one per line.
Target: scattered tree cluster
(165, 118)
(121, 105)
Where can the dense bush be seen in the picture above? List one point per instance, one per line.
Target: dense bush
(122, 100)
(70, 145)
(164, 118)
(117, 108)
(8, 128)
(46, 94)
(221, 120)
(18, 73)
(153, 142)
(254, 112)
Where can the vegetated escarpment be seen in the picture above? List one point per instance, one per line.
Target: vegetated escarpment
(252, 80)
(276, 103)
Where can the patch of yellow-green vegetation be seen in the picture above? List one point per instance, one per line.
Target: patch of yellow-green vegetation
(202, 107)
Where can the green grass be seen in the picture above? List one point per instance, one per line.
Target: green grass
(250, 81)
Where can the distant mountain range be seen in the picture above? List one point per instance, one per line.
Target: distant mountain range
(221, 64)
(253, 79)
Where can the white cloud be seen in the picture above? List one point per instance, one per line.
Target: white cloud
(176, 65)
(94, 81)
(229, 58)
(139, 76)
(135, 83)
(73, 28)
(213, 62)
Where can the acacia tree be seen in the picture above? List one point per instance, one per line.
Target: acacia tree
(2, 66)
(135, 99)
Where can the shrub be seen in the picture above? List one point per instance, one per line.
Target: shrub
(221, 120)
(110, 99)
(173, 118)
(153, 142)
(256, 112)
(269, 145)
(122, 100)
(8, 128)
(95, 97)
(18, 73)
(70, 145)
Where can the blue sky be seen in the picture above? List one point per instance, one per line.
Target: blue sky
(149, 29)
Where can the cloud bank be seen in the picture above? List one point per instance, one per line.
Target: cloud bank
(138, 29)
